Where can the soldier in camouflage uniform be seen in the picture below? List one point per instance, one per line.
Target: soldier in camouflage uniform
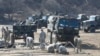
(6, 36)
(2, 32)
(42, 39)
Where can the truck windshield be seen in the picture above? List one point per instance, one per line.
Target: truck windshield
(44, 17)
(73, 22)
(69, 22)
(92, 18)
(63, 21)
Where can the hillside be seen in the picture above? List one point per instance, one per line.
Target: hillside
(65, 6)
(29, 7)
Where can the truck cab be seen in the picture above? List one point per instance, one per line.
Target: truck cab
(92, 23)
(82, 17)
(62, 23)
(67, 29)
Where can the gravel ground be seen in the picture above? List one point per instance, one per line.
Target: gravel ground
(90, 46)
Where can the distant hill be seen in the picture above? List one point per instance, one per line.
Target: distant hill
(65, 6)
(50, 6)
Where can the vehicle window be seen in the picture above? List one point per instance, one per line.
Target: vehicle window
(97, 19)
(69, 22)
(44, 17)
(63, 21)
(73, 22)
(92, 18)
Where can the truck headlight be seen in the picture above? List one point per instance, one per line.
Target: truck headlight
(60, 27)
(66, 25)
(76, 28)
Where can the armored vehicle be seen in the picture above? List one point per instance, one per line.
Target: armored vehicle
(64, 28)
(92, 24)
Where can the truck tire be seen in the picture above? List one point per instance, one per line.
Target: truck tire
(72, 41)
(51, 37)
(12, 39)
(92, 29)
(86, 30)
(48, 30)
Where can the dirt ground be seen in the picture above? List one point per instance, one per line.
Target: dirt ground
(90, 46)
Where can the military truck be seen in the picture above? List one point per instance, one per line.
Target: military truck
(22, 29)
(65, 29)
(81, 18)
(92, 24)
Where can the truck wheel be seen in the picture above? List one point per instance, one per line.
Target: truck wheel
(12, 39)
(51, 38)
(45, 26)
(72, 41)
(48, 30)
(92, 29)
(85, 30)
(75, 41)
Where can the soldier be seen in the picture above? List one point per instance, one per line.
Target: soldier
(3, 29)
(7, 34)
(29, 42)
(42, 39)
(5, 38)
(78, 43)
